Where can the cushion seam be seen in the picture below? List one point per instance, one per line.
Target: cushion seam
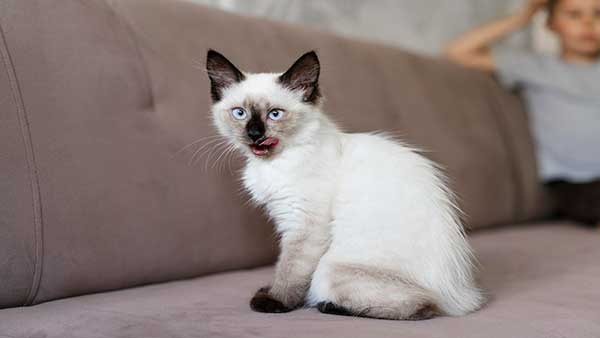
(31, 166)
(128, 25)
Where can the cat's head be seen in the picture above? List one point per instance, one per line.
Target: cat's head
(263, 114)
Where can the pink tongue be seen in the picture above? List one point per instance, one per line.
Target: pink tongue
(259, 152)
(269, 141)
(264, 146)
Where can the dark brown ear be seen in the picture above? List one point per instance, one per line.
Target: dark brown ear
(304, 75)
(222, 74)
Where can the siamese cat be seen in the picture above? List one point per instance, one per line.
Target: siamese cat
(367, 226)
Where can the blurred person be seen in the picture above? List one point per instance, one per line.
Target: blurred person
(562, 95)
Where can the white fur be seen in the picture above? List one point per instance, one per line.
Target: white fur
(381, 203)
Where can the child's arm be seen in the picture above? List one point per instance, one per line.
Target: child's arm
(472, 49)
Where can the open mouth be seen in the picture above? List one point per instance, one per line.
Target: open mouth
(264, 147)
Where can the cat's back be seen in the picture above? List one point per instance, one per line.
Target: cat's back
(384, 179)
(376, 152)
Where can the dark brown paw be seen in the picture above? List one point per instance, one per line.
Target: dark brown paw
(426, 312)
(263, 302)
(333, 309)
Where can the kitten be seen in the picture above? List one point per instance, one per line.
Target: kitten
(367, 225)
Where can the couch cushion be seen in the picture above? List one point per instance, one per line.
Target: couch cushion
(542, 279)
(19, 195)
(93, 195)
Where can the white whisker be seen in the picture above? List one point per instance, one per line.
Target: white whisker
(209, 143)
(215, 163)
(209, 151)
(198, 140)
(227, 151)
(231, 156)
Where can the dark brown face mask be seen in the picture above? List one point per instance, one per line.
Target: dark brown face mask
(255, 128)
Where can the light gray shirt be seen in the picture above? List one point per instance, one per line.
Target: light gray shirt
(563, 101)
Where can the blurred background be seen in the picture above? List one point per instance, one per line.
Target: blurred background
(422, 26)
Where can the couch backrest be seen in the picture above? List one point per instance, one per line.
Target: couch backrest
(97, 100)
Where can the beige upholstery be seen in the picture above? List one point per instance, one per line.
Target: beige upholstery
(542, 280)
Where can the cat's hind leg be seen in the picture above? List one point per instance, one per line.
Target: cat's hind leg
(359, 290)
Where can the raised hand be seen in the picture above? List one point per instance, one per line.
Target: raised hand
(532, 7)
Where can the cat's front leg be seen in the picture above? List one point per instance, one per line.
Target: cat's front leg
(301, 251)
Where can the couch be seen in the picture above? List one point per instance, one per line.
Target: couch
(114, 223)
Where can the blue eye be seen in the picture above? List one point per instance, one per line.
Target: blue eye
(238, 113)
(275, 114)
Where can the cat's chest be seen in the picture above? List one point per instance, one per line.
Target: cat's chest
(268, 186)
(295, 181)
(273, 186)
